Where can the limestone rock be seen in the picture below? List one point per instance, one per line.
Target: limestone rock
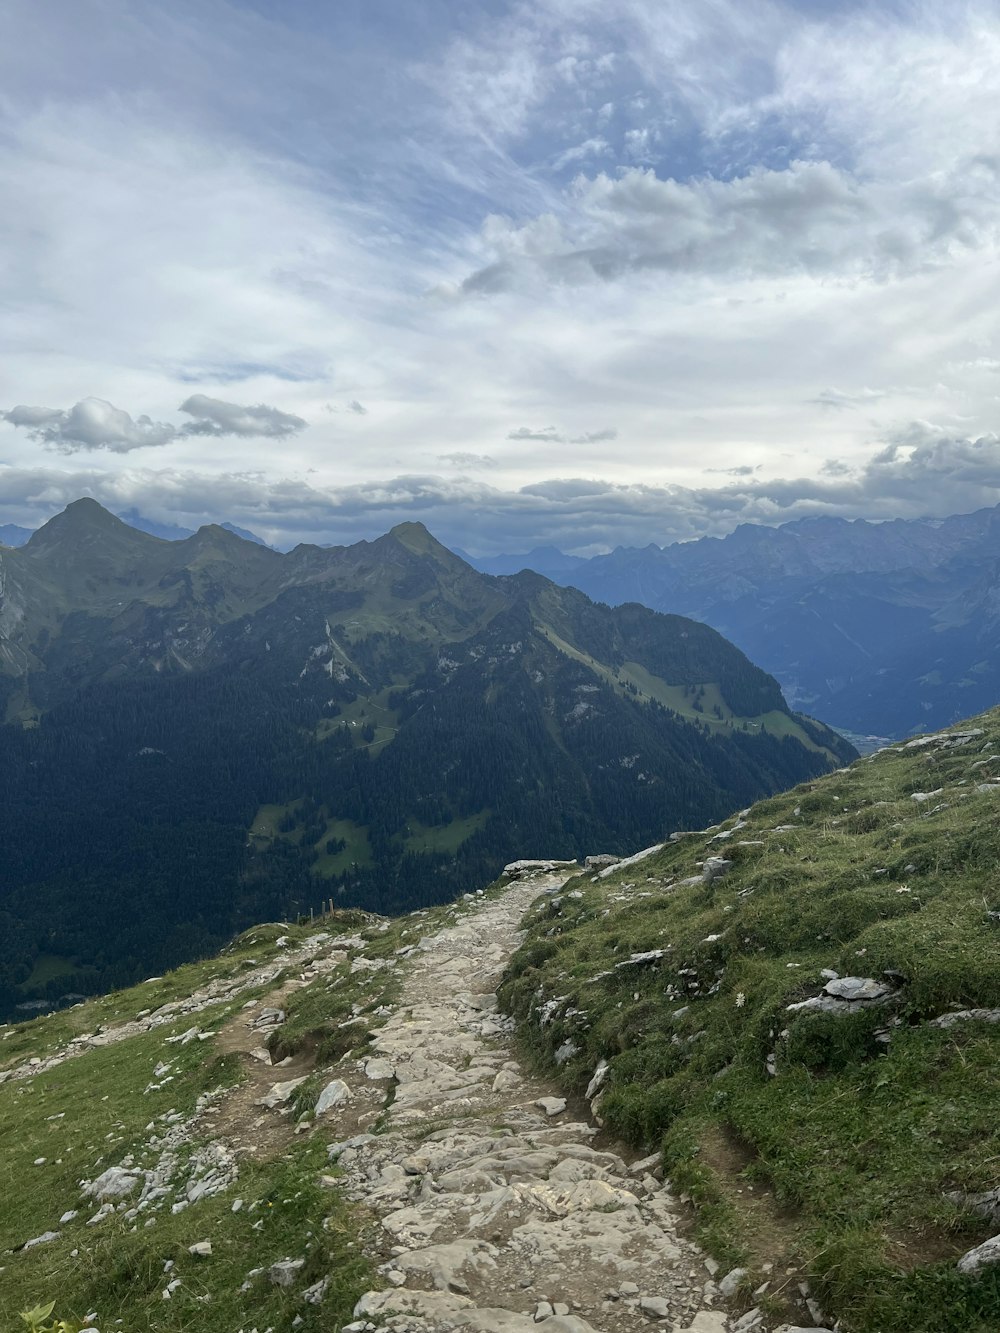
(280, 1093)
(715, 867)
(597, 1081)
(285, 1271)
(983, 1256)
(43, 1239)
(519, 869)
(708, 1321)
(655, 1306)
(552, 1105)
(336, 1093)
(729, 1284)
(856, 988)
(114, 1183)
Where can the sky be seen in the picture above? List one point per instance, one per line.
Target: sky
(560, 272)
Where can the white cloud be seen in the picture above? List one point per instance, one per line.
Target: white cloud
(549, 435)
(921, 471)
(213, 416)
(463, 459)
(91, 423)
(809, 218)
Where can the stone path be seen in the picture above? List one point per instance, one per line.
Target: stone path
(499, 1207)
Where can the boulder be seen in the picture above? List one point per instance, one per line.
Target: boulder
(983, 1256)
(714, 868)
(552, 1105)
(114, 1183)
(336, 1093)
(655, 1306)
(280, 1092)
(285, 1271)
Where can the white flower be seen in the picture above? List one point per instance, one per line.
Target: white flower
(741, 999)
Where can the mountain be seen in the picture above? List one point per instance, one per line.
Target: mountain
(171, 532)
(875, 627)
(547, 560)
(798, 1009)
(245, 534)
(204, 733)
(12, 535)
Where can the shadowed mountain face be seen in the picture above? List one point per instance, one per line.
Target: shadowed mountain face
(203, 733)
(888, 628)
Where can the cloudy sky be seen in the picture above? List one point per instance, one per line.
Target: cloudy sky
(550, 272)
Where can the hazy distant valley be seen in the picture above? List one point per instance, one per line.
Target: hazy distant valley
(885, 628)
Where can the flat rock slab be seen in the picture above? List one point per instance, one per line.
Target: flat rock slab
(280, 1093)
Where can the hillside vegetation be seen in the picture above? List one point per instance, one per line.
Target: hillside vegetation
(800, 1009)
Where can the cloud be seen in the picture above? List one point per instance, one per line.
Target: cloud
(595, 436)
(811, 217)
(463, 459)
(922, 471)
(743, 470)
(838, 401)
(213, 416)
(94, 424)
(549, 435)
(91, 423)
(354, 406)
(596, 147)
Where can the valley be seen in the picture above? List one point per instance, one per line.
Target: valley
(886, 628)
(204, 733)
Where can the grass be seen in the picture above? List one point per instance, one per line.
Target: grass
(443, 837)
(286, 1214)
(843, 1159)
(49, 966)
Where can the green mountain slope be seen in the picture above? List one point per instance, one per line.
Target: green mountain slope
(801, 1009)
(204, 733)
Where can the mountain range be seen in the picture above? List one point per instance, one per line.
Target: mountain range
(886, 628)
(204, 733)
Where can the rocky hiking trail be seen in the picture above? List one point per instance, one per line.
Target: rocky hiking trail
(500, 1206)
(487, 1200)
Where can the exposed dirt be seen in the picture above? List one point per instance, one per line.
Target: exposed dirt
(238, 1119)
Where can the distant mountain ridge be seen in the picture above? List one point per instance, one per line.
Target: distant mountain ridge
(207, 732)
(877, 627)
(11, 534)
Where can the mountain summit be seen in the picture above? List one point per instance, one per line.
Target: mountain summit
(206, 732)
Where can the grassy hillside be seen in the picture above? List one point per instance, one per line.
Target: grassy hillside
(841, 1141)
